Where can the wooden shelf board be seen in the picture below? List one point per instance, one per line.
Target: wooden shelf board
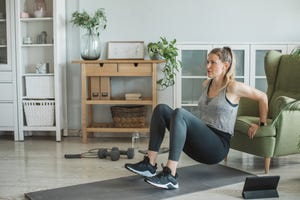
(145, 101)
(109, 128)
(117, 61)
(122, 74)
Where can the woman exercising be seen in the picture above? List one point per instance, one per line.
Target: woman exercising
(205, 139)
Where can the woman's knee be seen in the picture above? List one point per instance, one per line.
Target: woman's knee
(161, 108)
(179, 112)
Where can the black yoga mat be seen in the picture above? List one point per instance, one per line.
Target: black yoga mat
(191, 179)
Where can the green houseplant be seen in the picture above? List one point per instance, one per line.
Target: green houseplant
(92, 25)
(167, 50)
(296, 51)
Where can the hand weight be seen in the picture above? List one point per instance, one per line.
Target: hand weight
(115, 153)
(129, 153)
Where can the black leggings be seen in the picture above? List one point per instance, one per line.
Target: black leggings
(188, 134)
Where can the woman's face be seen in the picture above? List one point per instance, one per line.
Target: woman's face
(215, 67)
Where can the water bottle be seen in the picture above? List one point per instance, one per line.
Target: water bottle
(135, 140)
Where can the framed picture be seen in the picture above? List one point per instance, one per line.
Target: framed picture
(126, 50)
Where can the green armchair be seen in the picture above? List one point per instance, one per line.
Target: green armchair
(281, 136)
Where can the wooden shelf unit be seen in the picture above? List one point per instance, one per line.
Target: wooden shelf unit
(113, 68)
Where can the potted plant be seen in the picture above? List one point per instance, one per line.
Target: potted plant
(92, 25)
(296, 51)
(167, 50)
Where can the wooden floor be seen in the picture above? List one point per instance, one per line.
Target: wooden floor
(38, 163)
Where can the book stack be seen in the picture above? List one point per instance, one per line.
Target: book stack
(133, 96)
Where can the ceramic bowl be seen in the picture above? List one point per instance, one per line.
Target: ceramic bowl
(39, 13)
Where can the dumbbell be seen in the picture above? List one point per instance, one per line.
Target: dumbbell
(129, 153)
(115, 153)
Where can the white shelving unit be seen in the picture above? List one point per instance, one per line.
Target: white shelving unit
(41, 40)
(8, 94)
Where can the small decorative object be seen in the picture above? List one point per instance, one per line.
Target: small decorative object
(126, 50)
(133, 96)
(42, 68)
(92, 25)
(42, 38)
(27, 40)
(39, 8)
(168, 51)
(24, 14)
(90, 46)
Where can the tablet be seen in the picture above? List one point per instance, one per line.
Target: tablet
(260, 187)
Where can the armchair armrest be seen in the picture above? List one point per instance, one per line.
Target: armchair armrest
(281, 104)
(287, 127)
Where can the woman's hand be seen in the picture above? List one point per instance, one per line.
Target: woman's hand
(252, 130)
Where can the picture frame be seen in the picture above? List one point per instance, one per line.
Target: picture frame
(126, 50)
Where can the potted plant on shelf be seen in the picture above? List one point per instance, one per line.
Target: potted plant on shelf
(167, 50)
(92, 25)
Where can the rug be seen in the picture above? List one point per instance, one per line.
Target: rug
(191, 179)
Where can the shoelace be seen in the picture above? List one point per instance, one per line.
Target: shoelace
(166, 171)
(147, 161)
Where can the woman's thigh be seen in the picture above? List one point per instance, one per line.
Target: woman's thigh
(202, 144)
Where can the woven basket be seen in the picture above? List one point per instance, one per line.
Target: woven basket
(39, 112)
(129, 116)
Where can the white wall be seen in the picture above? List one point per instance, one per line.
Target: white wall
(211, 21)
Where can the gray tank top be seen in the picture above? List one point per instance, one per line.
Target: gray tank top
(218, 112)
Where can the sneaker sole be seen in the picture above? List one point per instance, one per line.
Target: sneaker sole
(145, 173)
(169, 186)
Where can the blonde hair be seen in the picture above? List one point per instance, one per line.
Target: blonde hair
(226, 54)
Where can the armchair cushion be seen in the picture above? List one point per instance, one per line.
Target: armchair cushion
(243, 123)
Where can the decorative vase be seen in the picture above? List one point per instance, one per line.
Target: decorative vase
(39, 9)
(156, 56)
(90, 46)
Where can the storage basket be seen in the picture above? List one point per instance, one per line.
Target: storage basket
(129, 116)
(40, 86)
(39, 112)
